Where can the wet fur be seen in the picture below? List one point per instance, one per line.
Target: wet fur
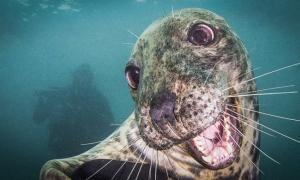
(168, 61)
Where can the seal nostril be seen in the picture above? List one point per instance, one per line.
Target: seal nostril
(162, 108)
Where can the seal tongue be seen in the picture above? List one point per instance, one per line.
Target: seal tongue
(214, 145)
(208, 138)
(205, 145)
(213, 132)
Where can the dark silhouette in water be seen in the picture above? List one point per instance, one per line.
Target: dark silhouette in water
(75, 114)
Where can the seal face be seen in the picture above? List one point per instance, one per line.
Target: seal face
(183, 73)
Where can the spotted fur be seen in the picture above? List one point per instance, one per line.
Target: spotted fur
(191, 77)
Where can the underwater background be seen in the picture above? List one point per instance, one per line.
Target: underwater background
(60, 60)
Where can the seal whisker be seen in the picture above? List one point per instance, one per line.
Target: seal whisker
(248, 123)
(113, 124)
(179, 15)
(137, 161)
(166, 167)
(253, 143)
(181, 151)
(123, 165)
(132, 33)
(266, 89)
(272, 115)
(91, 143)
(212, 71)
(99, 169)
(244, 153)
(127, 43)
(278, 87)
(263, 94)
(171, 164)
(156, 162)
(178, 148)
(147, 148)
(277, 132)
(96, 142)
(265, 74)
(252, 70)
(149, 175)
(173, 12)
(128, 146)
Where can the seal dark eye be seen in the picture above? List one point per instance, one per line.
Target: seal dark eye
(132, 74)
(201, 35)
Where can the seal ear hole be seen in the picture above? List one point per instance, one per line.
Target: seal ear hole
(132, 73)
(201, 34)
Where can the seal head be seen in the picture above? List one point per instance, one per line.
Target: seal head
(181, 73)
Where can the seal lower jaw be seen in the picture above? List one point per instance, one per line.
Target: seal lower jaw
(217, 146)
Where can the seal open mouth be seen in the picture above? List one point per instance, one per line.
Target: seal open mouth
(216, 147)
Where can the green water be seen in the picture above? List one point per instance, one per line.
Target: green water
(43, 42)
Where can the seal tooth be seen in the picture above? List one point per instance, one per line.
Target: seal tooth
(214, 160)
(201, 148)
(207, 158)
(229, 148)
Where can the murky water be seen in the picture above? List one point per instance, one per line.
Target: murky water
(42, 44)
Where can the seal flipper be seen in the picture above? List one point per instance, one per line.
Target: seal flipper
(89, 168)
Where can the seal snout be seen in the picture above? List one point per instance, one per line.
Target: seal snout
(182, 116)
(200, 107)
(162, 112)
